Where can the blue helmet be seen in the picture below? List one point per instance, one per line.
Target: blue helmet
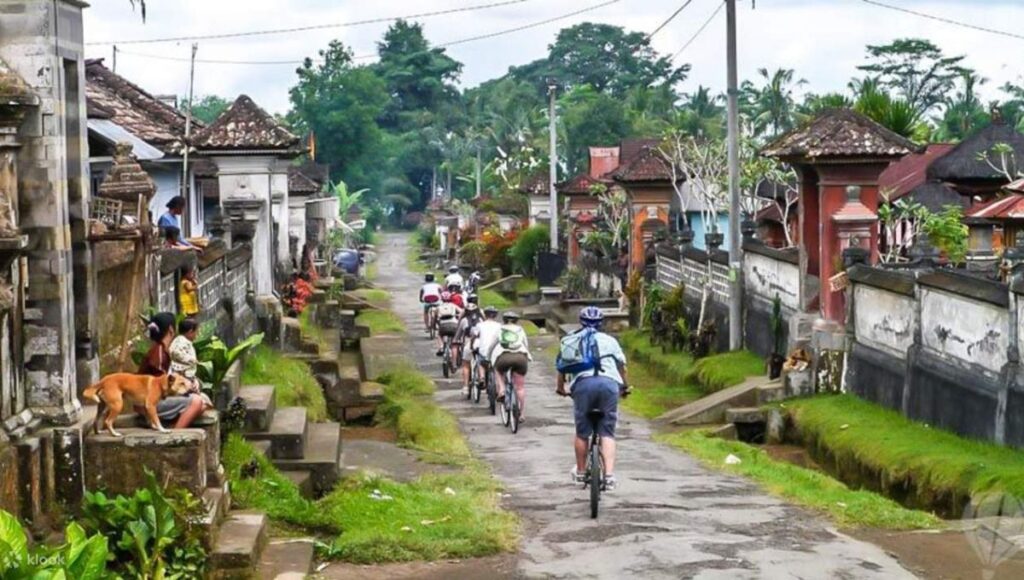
(591, 316)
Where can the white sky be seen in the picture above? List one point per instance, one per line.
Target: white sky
(822, 39)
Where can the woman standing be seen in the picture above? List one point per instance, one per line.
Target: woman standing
(181, 409)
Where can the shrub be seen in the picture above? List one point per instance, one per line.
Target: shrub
(523, 253)
(507, 203)
(473, 253)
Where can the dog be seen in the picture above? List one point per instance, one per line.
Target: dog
(143, 390)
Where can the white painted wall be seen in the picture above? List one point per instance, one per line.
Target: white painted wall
(765, 278)
(250, 178)
(884, 320)
(968, 330)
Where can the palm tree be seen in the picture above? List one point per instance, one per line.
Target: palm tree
(964, 111)
(346, 199)
(897, 115)
(701, 114)
(772, 107)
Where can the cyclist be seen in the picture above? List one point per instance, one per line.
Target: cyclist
(454, 277)
(474, 282)
(464, 341)
(456, 296)
(512, 352)
(597, 389)
(430, 296)
(485, 338)
(447, 316)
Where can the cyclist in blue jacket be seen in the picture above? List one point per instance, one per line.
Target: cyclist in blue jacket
(596, 389)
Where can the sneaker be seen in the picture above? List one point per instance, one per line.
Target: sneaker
(610, 483)
(465, 391)
(577, 477)
(440, 352)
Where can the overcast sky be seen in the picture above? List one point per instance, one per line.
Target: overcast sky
(822, 39)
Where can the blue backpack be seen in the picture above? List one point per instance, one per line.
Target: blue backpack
(579, 353)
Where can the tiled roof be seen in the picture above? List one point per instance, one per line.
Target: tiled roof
(965, 161)
(1009, 207)
(579, 185)
(536, 184)
(646, 166)
(246, 127)
(299, 182)
(840, 133)
(14, 89)
(111, 96)
(908, 173)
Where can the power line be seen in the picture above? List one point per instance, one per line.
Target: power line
(668, 20)
(311, 27)
(945, 20)
(699, 31)
(368, 56)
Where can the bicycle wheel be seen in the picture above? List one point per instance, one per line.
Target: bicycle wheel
(476, 391)
(506, 408)
(492, 402)
(446, 362)
(595, 475)
(513, 413)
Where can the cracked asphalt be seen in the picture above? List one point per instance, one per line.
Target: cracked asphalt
(670, 518)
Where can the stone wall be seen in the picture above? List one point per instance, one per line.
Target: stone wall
(939, 346)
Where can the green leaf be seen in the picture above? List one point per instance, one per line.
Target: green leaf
(91, 562)
(13, 536)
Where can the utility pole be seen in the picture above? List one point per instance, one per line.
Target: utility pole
(115, 59)
(735, 259)
(479, 163)
(553, 165)
(188, 134)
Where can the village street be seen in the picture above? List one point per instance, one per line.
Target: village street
(670, 517)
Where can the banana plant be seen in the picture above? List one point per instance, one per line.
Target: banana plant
(215, 358)
(81, 557)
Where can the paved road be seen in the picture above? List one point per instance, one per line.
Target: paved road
(670, 517)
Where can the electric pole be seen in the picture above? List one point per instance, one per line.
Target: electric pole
(479, 167)
(735, 260)
(188, 134)
(115, 59)
(553, 166)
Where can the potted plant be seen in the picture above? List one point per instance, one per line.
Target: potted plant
(776, 359)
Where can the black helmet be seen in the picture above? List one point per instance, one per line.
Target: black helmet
(473, 299)
(490, 312)
(429, 277)
(453, 269)
(510, 316)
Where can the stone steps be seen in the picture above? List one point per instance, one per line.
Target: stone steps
(302, 480)
(239, 546)
(218, 503)
(287, 433)
(260, 406)
(290, 559)
(712, 408)
(321, 456)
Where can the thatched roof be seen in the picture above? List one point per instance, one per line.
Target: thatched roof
(965, 163)
(839, 134)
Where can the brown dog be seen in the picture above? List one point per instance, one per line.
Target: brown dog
(143, 390)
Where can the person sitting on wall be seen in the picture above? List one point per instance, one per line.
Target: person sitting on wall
(172, 240)
(183, 409)
(184, 361)
(170, 219)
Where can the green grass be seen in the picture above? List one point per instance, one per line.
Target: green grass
(294, 382)
(856, 431)
(709, 374)
(530, 328)
(372, 270)
(491, 297)
(380, 322)
(413, 262)
(852, 508)
(721, 371)
(652, 396)
(374, 296)
(524, 285)
(310, 329)
(436, 517)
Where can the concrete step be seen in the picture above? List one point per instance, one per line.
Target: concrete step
(381, 354)
(286, 560)
(239, 546)
(259, 406)
(262, 446)
(218, 503)
(321, 456)
(745, 415)
(727, 431)
(711, 409)
(117, 465)
(303, 480)
(287, 433)
(771, 392)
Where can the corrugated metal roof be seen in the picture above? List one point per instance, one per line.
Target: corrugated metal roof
(1009, 207)
(113, 133)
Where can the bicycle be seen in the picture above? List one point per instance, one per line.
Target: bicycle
(474, 381)
(432, 321)
(510, 405)
(492, 394)
(593, 475)
(446, 364)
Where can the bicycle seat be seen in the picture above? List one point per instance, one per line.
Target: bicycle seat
(595, 414)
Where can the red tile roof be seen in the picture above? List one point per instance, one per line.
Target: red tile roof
(840, 133)
(579, 185)
(246, 127)
(646, 166)
(300, 183)
(908, 173)
(1009, 207)
(111, 96)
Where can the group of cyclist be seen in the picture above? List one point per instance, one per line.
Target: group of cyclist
(452, 309)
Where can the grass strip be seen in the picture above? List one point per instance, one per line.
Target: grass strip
(310, 329)
(380, 322)
(653, 396)
(374, 520)
(375, 296)
(852, 508)
(294, 383)
(526, 285)
(491, 297)
(672, 368)
(856, 432)
(728, 369)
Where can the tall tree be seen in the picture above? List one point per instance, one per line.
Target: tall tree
(771, 104)
(701, 114)
(606, 57)
(206, 108)
(916, 70)
(898, 115)
(590, 118)
(964, 112)
(340, 103)
(1012, 109)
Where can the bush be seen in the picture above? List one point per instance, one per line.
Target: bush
(508, 204)
(473, 253)
(81, 557)
(728, 369)
(523, 253)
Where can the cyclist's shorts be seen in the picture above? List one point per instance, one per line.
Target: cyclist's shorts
(595, 393)
(447, 327)
(517, 362)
